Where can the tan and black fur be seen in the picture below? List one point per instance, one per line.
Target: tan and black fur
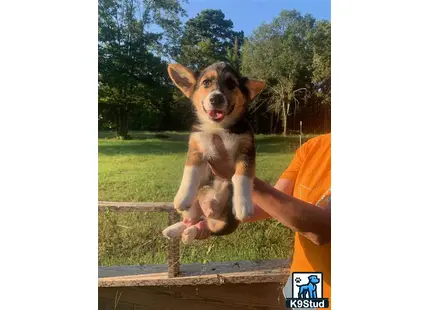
(220, 97)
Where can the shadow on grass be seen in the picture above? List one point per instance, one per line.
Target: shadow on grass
(281, 139)
(144, 135)
(278, 144)
(175, 143)
(146, 147)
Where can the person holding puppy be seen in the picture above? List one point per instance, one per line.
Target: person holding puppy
(300, 200)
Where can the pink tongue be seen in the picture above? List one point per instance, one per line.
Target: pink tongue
(216, 114)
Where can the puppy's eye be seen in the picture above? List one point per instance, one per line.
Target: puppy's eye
(206, 83)
(231, 84)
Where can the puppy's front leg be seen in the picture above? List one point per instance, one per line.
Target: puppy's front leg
(242, 182)
(194, 172)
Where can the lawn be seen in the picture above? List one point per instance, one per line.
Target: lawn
(149, 168)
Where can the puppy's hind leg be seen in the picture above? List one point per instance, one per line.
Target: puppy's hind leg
(189, 234)
(174, 231)
(193, 214)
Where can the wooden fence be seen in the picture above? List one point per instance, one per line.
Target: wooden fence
(228, 285)
(173, 217)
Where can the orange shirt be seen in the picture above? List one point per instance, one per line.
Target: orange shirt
(311, 172)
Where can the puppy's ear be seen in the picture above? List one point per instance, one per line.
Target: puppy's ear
(255, 87)
(183, 78)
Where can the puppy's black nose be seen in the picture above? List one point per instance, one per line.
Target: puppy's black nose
(217, 100)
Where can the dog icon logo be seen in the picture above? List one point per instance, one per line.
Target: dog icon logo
(308, 290)
(304, 290)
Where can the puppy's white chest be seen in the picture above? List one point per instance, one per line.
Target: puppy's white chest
(205, 140)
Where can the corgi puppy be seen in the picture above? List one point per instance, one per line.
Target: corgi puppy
(220, 97)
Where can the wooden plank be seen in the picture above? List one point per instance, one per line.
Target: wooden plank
(196, 274)
(121, 206)
(114, 304)
(193, 269)
(260, 296)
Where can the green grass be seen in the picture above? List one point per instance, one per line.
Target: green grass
(149, 168)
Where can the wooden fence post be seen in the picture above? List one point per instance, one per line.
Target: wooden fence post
(173, 248)
(173, 245)
(301, 133)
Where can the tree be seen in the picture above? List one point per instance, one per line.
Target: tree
(233, 55)
(207, 38)
(282, 54)
(131, 74)
(322, 60)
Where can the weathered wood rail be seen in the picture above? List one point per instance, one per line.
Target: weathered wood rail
(195, 274)
(136, 206)
(217, 286)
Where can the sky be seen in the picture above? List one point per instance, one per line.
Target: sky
(249, 14)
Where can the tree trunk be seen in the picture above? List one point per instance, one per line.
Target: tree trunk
(271, 123)
(285, 111)
(294, 118)
(122, 125)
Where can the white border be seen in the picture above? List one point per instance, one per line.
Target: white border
(48, 165)
(380, 148)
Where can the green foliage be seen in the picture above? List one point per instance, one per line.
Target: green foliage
(207, 38)
(322, 60)
(133, 81)
(291, 54)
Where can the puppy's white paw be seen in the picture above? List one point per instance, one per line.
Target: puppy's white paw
(242, 197)
(189, 235)
(183, 200)
(188, 188)
(174, 231)
(242, 207)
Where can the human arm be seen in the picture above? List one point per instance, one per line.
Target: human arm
(284, 185)
(311, 221)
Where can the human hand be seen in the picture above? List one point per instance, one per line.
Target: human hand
(221, 166)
